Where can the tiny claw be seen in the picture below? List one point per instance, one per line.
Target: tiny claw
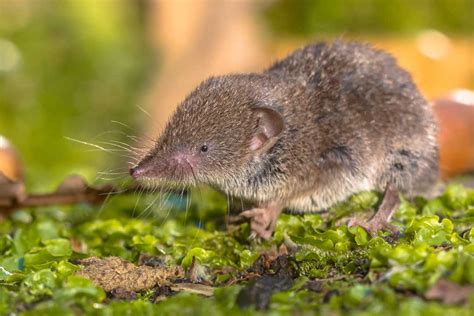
(373, 226)
(252, 236)
(392, 228)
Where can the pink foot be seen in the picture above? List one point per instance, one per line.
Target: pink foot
(262, 223)
(262, 220)
(381, 219)
(373, 225)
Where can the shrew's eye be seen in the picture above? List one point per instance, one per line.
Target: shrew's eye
(204, 148)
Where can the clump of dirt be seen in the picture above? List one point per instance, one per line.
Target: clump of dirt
(114, 274)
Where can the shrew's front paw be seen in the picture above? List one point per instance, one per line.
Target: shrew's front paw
(262, 219)
(262, 222)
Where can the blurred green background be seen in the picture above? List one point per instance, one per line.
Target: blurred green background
(69, 68)
(380, 17)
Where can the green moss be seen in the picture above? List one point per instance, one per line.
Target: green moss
(360, 274)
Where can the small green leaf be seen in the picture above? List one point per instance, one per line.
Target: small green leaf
(58, 247)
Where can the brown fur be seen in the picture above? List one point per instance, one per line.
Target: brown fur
(353, 121)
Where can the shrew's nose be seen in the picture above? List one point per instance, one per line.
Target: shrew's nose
(136, 172)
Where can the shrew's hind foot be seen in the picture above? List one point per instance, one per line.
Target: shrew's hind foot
(381, 218)
(373, 225)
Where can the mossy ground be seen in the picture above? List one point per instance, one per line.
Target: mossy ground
(351, 272)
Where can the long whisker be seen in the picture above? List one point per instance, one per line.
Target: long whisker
(133, 137)
(112, 173)
(186, 208)
(143, 110)
(121, 123)
(142, 189)
(144, 212)
(101, 148)
(130, 150)
(130, 146)
(88, 144)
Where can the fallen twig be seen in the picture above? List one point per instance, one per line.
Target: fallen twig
(72, 190)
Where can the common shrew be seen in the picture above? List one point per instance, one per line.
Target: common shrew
(327, 121)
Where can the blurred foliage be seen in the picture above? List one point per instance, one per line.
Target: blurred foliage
(67, 69)
(313, 17)
(360, 274)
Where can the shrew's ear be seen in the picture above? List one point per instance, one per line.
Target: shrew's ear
(269, 127)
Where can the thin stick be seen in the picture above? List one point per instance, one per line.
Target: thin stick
(85, 194)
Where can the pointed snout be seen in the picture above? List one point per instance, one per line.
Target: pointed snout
(136, 172)
(143, 169)
(175, 165)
